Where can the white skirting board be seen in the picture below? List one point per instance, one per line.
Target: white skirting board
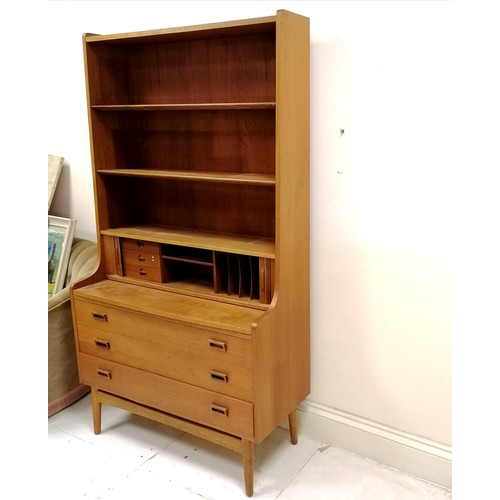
(412, 454)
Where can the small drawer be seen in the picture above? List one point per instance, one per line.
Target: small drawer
(138, 258)
(206, 407)
(141, 245)
(144, 271)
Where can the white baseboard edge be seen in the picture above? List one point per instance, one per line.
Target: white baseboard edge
(406, 452)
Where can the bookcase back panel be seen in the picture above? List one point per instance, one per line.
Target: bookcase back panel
(240, 141)
(237, 209)
(220, 69)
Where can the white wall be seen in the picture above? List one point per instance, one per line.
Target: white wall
(380, 204)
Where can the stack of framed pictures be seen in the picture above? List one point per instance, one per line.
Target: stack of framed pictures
(60, 237)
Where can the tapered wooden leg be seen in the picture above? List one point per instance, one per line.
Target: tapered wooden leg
(248, 466)
(292, 423)
(96, 410)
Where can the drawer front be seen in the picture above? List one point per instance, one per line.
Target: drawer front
(140, 245)
(138, 258)
(145, 266)
(143, 273)
(211, 360)
(209, 408)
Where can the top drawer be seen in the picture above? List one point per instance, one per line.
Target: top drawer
(143, 246)
(161, 304)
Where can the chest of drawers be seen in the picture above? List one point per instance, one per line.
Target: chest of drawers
(182, 360)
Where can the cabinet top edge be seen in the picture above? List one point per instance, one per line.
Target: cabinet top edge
(241, 27)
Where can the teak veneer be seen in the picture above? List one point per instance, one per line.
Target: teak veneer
(197, 315)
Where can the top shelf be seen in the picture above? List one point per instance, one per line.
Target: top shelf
(185, 106)
(211, 30)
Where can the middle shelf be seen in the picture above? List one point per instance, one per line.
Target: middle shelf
(209, 106)
(224, 242)
(226, 177)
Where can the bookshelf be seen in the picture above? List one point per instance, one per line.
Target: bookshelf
(198, 312)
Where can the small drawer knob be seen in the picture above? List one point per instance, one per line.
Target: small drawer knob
(102, 344)
(104, 373)
(220, 377)
(219, 410)
(99, 316)
(217, 345)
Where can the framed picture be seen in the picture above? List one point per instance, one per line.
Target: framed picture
(60, 232)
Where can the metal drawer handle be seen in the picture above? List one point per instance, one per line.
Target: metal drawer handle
(220, 377)
(141, 258)
(142, 272)
(102, 344)
(215, 344)
(104, 373)
(99, 316)
(220, 410)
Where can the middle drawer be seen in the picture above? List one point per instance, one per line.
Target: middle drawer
(200, 357)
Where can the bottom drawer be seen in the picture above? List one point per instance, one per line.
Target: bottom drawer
(193, 403)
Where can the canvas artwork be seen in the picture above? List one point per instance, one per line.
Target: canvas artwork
(60, 239)
(55, 166)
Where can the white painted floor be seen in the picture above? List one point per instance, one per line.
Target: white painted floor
(134, 458)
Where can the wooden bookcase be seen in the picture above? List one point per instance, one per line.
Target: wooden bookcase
(197, 315)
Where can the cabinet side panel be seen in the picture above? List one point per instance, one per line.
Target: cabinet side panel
(112, 255)
(282, 349)
(92, 89)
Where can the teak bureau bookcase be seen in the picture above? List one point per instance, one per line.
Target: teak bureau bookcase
(197, 315)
